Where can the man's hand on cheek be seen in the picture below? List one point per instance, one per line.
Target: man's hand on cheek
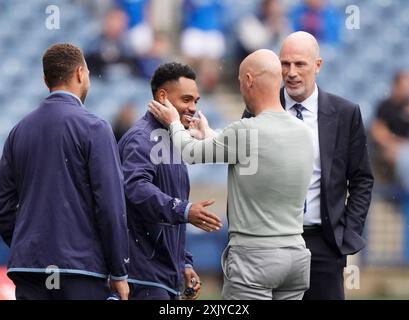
(166, 114)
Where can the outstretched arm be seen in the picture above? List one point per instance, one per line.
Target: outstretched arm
(229, 146)
(158, 207)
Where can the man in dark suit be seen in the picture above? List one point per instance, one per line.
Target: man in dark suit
(339, 195)
(62, 204)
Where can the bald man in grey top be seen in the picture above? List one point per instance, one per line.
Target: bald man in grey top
(271, 160)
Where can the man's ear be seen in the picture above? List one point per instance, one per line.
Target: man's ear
(318, 65)
(80, 74)
(46, 82)
(249, 80)
(162, 95)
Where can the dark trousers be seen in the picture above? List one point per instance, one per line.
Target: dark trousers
(327, 269)
(32, 286)
(140, 292)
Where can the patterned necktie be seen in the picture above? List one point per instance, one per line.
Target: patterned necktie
(299, 108)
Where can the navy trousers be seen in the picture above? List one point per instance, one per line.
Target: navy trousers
(32, 286)
(139, 292)
(327, 270)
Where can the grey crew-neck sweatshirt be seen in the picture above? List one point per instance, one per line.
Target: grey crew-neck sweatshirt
(270, 161)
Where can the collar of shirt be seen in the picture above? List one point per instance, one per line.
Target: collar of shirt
(311, 103)
(67, 93)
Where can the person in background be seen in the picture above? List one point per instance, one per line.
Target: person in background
(389, 113)
(111, 51)
(203, 42)
(270, 24)
(124, 121)
(318, 18)
(402, 159)
(394, 143)
(151, 47)
(141, 32)
(158, 54)
(394, 140)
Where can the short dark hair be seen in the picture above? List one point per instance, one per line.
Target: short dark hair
(170, 72)
(60, 61)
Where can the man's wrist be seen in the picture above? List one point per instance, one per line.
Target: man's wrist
(209, 133)
(175, 126)
(118, 278)
(186, 213)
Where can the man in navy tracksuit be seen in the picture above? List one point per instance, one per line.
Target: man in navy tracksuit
(157, 192)
(62, 206)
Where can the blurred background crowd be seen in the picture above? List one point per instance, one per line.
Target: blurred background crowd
(125, 40)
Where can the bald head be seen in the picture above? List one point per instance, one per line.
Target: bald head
(260, 78)
(301, 62)
(262, 63)
(301, 41)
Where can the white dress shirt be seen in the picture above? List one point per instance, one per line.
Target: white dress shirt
(67, 93)
(310, 115)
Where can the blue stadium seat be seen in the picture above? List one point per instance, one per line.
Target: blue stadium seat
(206, 248)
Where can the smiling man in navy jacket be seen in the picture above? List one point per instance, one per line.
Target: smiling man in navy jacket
(62, 206)
(157, 193)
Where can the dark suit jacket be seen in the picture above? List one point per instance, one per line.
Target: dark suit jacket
(346, 177)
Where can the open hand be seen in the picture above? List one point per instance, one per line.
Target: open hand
(200, 217)
(199, 127)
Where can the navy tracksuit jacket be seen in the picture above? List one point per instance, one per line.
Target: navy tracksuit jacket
(157, 206)
(61, 193)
